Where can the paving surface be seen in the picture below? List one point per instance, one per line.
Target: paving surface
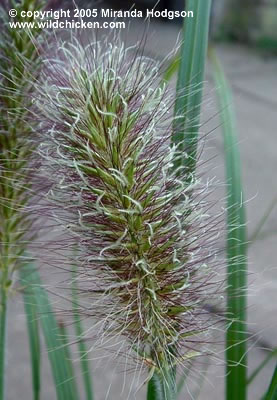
(254, 82)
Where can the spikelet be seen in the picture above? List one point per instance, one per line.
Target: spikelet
(18, 57)
(144, 237)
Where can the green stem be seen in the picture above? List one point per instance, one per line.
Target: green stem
(85, 366)
(263, 220)
(272, 390)
(32, 321)
(189, 87)
(3, 319)
(236, 333)
(162, 386)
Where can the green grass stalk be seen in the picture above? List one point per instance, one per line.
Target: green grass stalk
(18, 55)
(236, 334)
(190, 82)
(3, 315)
(83, 353)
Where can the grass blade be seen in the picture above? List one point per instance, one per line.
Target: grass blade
(3, 321)
(263, 220)
(172, 68)
(272, 354)
(82, 347)
(272, 390)
(236, 335)
(190, 81)
(33, 331)
(65, 344)
(60, 364)
(185, 129)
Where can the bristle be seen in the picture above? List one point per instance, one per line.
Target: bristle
(18, 57)
(144, 244)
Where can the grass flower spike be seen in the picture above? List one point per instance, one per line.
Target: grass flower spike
(145, 240)
(18, 57)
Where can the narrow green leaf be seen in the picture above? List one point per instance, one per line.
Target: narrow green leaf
(82, 347)
(185, 129)
(272, 354)
(263, 220)
(60, 364)
(3, 327)
(33, 330)
(272, 390)
(190, 82)
(65, 343)
(236, 335)
(172, 68)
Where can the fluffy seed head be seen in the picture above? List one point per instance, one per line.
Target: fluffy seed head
(145, 242)
(18, 56)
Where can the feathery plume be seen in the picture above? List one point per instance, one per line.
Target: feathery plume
(19, 56)
(145, 239)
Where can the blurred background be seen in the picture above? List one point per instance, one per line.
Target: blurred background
(248, 21)
(245, 36)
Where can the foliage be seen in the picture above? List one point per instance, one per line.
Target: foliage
(18, 56)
